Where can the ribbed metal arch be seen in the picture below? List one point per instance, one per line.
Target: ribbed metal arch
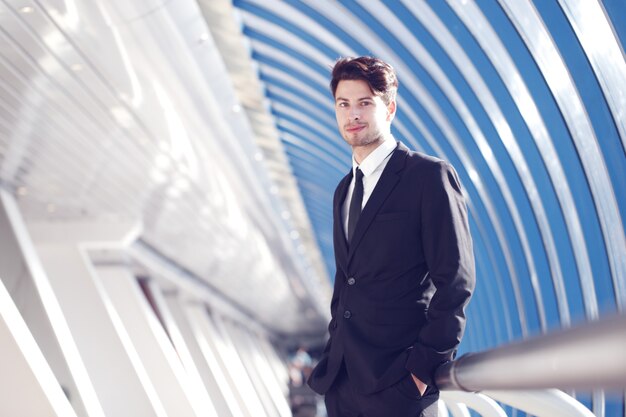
(520, 98)
(606, 135)
(445, 119)
(490, 269)
(487, 152)
(533, 120)
(291, 99)
(292, 134)
(445, 40)
(502, 239)
(285, 80)
(493, 277)
(606, 56)
(308, 160)
(583, 135)
(541, 152)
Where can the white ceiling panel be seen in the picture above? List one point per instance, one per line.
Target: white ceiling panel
(115, 111)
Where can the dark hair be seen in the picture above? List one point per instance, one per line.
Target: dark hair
(380, 76)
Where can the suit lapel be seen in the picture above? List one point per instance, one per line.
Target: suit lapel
(341, 246)
(386, 183)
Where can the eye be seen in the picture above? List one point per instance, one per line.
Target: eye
(365, 103)
(342, 104)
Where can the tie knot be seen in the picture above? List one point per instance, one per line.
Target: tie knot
(359, 174)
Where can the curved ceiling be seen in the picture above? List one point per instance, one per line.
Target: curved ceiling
(215, 131)
(211, 125)
(115, 112)
(525, 100)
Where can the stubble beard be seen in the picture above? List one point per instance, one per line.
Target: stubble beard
(371, 138)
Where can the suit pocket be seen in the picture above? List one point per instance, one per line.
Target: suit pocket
(407, 387)
(395, 315)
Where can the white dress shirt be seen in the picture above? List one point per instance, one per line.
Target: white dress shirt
(372, 167)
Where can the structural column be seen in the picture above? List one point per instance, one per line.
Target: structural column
(119, 378)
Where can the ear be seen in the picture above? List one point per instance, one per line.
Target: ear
(391, 110)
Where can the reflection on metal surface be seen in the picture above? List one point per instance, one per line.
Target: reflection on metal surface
(305, 120)
(284, 58)
(501, 125)
(225, 28)
(181, 147)
(135, 86)
(439, 31)
(218, 135)
(260, 25)
(302, 20)
(275, 31)
(542, 403)
(108, 124)
(67, 17)
(532, 29)
(291, 81)
(482, 404)
(359, 31)
(604, 53)
(476, 23)
(326, 118)
(545, 361)
(498, 275)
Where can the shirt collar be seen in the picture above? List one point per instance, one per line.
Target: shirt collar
(374, 159)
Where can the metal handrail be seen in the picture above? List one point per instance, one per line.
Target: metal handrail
(589, 356)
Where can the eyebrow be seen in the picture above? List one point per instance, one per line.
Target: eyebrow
(359, 99)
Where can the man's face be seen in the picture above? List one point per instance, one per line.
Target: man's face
(362, 117)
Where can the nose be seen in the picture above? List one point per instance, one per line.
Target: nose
(354, 113)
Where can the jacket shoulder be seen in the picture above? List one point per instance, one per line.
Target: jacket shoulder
(424, 163)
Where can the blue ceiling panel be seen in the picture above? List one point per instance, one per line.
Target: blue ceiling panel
(522, 110)
(522, 107)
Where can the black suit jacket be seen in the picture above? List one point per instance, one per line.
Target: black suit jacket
(402, 284)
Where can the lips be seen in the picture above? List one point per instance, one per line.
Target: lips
(355, 128)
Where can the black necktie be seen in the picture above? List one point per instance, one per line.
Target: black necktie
(355, 203)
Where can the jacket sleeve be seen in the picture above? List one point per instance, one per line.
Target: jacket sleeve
(333, 310)
(339, 277)
(450, 260)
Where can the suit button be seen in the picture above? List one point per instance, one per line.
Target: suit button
(351, 281)
(347, 314)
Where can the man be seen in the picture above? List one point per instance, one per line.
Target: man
(404, 258)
